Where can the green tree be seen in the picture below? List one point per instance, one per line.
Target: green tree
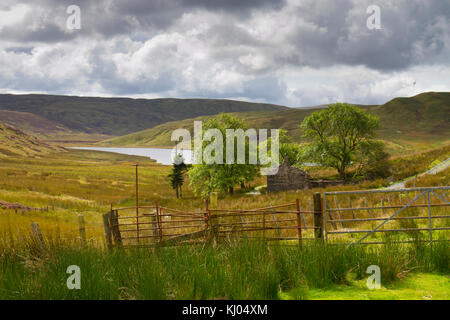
(208, 177)
(176, 177)
(342, 136)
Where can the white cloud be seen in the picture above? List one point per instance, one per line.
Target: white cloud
(12, 15)
(303, 53)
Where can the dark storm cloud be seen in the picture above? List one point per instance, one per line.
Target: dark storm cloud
(410, 33)
(160, 14)
(113, 17)
(224, 48)
(49, 32)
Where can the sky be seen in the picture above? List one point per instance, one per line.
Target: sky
(291, 52)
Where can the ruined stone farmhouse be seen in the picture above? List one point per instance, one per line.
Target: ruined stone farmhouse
(293, 178)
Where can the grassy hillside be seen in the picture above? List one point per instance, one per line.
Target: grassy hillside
(425, 117)
(46, 130)
(31, 123)
(407, 124)
(119, 116)
(16, 142)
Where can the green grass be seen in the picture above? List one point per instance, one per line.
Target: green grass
(85, 182)
(243, 271)
(408, 166)
(433, 180)
(416, 286)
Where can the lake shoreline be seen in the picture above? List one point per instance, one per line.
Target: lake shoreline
(160, 155)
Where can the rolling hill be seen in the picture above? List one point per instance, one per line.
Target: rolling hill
(407, 124)
(119, 116)
(14, 142)
(47, 130)
(31, 123)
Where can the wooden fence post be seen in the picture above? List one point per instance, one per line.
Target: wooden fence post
(114, 223)
(82, 229)
(318, 217)
(107, 227)
(36, 231)
(299, 222)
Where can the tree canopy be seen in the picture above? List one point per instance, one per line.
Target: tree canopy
(207, 177)
(342, 136)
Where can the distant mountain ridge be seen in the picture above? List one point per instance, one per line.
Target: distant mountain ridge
(119, 116)
(418, 122)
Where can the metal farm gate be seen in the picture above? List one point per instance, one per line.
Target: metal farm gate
(355, 217)
(378, 216)
(161, 226)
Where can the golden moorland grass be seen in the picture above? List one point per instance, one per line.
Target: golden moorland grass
(86, 182)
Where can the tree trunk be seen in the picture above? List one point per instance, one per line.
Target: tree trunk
(242, 185)
(231, 190)
(342, 173)
(176, 190)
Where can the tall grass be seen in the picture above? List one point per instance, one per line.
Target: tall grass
(408, 166)
(239, 271)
